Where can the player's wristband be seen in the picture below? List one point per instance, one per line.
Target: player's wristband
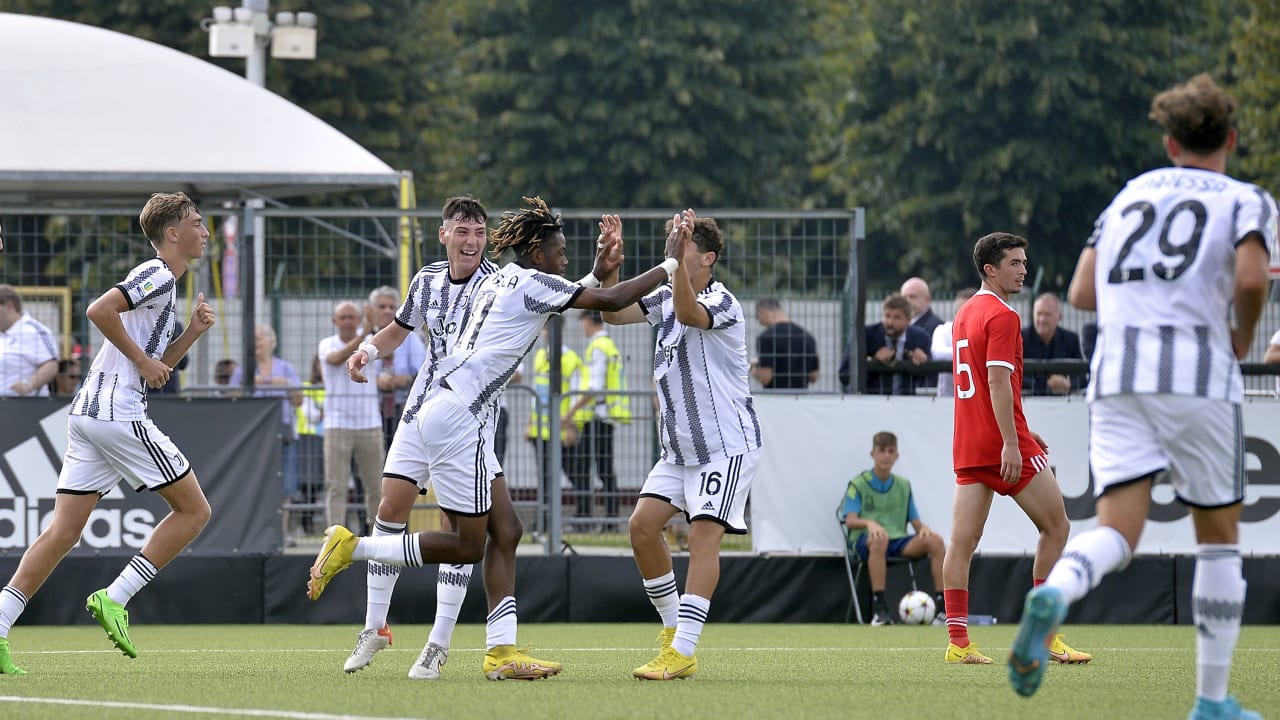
(590, 280)
(369, 349)
(670, 265)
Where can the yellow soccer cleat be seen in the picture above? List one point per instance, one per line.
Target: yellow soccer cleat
(1061, 652)
(666, 636)
(669, 665)
(333, 558)
(967, 655)
(505, 662)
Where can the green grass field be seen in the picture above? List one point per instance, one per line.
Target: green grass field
(746, 671)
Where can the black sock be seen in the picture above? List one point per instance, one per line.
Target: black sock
(877, 599)
(938, 603)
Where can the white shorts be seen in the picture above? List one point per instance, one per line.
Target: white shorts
(458, 451)
(102, 452)
(715, 491)
(1198, 441)
(407, 458)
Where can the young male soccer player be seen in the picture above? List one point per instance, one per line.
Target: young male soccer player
(710, 442)
(506, 316)
(993, 450)
(110, 436)
(1175, 250)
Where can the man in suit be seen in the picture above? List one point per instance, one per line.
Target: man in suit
(1043, 339)
(889, 342)
(916, 291)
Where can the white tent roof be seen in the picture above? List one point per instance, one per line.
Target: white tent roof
(94, 114)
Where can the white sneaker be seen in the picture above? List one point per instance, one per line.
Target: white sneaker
(368, 643)
(433, 658)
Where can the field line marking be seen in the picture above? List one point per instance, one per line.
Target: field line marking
(246, 712)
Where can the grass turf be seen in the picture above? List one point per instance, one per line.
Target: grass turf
(746, 671)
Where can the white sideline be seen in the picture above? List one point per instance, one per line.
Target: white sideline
(196, 709)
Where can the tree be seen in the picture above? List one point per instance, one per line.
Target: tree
(1257, 51)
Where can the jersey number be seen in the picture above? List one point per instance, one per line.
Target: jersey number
(1186, 250)
(710, 483)
(964, 373)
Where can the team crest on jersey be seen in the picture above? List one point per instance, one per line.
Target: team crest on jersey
(148, 287)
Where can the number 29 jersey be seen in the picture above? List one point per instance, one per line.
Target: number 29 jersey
(987, 331)
(1164, 279)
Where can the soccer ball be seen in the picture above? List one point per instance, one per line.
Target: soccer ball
(916, 608)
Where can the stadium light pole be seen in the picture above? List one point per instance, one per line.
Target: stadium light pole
(247, 31)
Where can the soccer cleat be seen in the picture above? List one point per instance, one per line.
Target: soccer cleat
(666, 636)
(113, 618)
(430, 662)
(1028, 658)
(1061, 652)
(368, 643)
(1228, 709)
(333, 558)
(505, 662)
(967, 655)
(6, 660)
(882, 617)
(669, 665)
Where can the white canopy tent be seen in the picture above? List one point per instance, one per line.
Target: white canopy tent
(91, 114)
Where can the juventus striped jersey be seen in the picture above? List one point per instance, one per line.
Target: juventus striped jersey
(507, 313)
(704, 400)
(438, 305)
(113, 389)
(24, 347)
(1164, 278)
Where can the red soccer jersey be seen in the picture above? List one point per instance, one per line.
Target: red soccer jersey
(987, 331)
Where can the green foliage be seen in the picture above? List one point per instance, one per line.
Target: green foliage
(1257, 52)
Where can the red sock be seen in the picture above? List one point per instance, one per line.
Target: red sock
(957, 602)
(1037, 582)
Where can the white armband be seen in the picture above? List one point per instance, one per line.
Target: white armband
(670, 265)
(590, 280)
(369, 349)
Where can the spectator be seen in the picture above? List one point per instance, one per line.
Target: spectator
(172, 385)
(1043, 339)
(311, 439)
(222, 371)
(876, 510)
(352, 420)
(916, 291)
(886, 343)
(539, 428)
(28, 353)
(275, 377)
(786, 354)
(67, 381)
(941, 349)
(398, 368)
(1273, 356)
(596, 412)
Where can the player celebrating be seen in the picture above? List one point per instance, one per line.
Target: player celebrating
(1170, 256)
(505, 319)
(993, 450)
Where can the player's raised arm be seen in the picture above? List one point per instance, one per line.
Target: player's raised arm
(624, 295)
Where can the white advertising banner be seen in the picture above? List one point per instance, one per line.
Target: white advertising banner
(814, 444)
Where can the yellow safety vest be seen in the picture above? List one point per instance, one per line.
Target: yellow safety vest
(570, 364)
(619, 405)
(316, 393)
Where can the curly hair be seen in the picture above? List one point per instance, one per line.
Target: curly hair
(524, 230)
(1196, 113)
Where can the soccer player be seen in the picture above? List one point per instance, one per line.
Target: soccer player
(1175, 250)
(110, 436)
(710, 440)
(452, 425)
(993, 451)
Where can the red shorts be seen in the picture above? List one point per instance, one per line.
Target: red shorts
(989, 475)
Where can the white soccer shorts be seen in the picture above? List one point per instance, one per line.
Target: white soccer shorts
(407, 458)
(1198, 441)
(715, 491)
(459, 452)
(101, 452)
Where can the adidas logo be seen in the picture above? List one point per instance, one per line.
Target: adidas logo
(708, 506)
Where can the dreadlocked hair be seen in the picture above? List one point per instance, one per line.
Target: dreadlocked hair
(525, 229)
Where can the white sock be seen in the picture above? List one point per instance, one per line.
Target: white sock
(500, 627)
(693, 615)
(380, 580)
(12, 603)
(1217, 604)
(132, 578)
(451, 590)
(1086, 559)
(399, 550)
(665, 598)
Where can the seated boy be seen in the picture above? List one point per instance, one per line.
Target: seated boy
(875, 511)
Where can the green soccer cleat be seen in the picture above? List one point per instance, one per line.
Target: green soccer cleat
(333, 558)
(113, 618)
(1044, 611)
(6, 660)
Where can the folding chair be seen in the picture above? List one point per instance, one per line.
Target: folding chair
(851, 558)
